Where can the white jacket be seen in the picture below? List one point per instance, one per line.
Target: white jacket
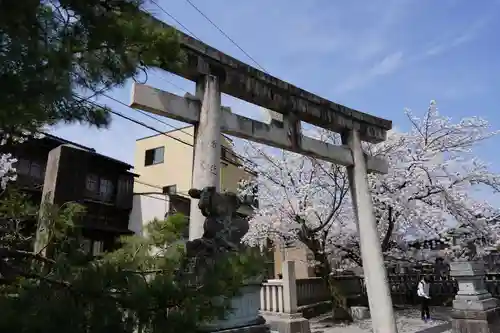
(423, 289)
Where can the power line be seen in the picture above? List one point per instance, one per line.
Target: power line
(189, 134)
(233, 42)
(174, 129)
(159, 188)
(140, 123)
(244, 159)
(173, 18)
(101, 92)
(152, 117)
(176, 85)
(225, 35)
(121, 115)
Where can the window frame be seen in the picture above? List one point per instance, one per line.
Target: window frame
(92, 178)
(23, 166)
(97, 248)
(97, 193)
(125, 186)
(151, 160)
(108, 194)
(26, 167)
(38, 167)
(92, 247)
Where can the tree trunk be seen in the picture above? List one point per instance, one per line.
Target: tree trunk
(323, 270)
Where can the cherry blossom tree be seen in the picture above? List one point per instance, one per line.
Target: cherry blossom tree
(7, 161)
(433, 175)
(433, 172)
(301, 200)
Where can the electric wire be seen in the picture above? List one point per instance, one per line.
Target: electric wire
(225, 35)
(173, 18)
(121, 115)
(140, 123)
(244, 159)
(231, 40)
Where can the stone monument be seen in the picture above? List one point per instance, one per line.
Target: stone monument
(222, 233)
(474, 308)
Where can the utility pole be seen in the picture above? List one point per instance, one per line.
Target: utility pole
(377, 286)
(207, 147)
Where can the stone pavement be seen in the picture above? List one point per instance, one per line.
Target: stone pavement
(408, 321)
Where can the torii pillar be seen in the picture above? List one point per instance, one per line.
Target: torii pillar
(207, 147)
(206, 172)
(379, 294)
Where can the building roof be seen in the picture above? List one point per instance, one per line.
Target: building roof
(62, 141)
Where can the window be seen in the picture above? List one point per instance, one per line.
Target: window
(99, 188)
(105, 189)
(85, 245)
(36, 170)
(23, 166)
(91, 247)
(31, 168)
(92, 183)
(97, 248)
(125, 185)
(154, 156)
(229, 156)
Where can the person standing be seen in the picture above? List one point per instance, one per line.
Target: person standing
(424, 297)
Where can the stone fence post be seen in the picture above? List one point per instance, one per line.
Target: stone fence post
(287, 319)
(474, 309)
(289, 287)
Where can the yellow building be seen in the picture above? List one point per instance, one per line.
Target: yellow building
(164, 160)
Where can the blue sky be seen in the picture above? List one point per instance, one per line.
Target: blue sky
(376, 56)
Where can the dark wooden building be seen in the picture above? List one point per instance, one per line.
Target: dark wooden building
(60, 171)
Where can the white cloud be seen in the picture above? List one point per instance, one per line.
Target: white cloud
(394, 61)
(378, 28)
(466, 36)
(386, 66)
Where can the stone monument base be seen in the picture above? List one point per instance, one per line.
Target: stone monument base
(474, 309)
(287, 323)
(480, 302)
(476, 321)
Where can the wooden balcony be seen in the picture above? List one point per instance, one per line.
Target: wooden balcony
(99, 198)
(107, 223)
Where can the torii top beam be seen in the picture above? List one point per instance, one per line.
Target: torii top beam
(257, 87)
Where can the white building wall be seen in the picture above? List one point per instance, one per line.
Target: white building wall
(147, 207)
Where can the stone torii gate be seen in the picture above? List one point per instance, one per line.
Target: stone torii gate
(215, 72)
